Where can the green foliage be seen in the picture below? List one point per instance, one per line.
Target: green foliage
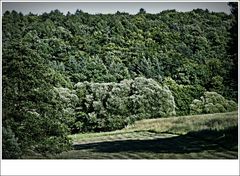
(183, 95)
(152, 99)
(29, 107)
(212, 102)
(82, 72)
(114, 47)
(231, 78)
(217, 84)
(110, 106)
(10, 146)
(53, 145)
(196, 107)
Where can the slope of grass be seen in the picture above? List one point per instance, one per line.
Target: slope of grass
(173, 125)
(209, 136)
(185, 124)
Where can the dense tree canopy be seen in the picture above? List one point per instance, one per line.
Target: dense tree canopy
(134, 67)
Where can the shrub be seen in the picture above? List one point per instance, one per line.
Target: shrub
(53, 145)
(231, 105)
(212, 102)
(67, 101)
(196, 107)
(152, 99)
(183, 95)
(111, 106)
(39, 118)
(48, 132)
(10, 146)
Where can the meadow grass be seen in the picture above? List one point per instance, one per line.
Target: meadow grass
(185, 124)
(210, 136)
(171, 125)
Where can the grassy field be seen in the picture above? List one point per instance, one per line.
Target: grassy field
(211, 136)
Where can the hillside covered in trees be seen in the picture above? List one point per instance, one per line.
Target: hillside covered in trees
(79, 72)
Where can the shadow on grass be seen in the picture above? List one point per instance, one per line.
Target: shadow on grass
(191, 142)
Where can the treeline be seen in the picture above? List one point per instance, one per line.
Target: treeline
(78, 72)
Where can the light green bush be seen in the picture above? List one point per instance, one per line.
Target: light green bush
(152, 99)
(212, 102)
(68, 99)
(109, 106)
(231, 105)
(196, 107)
(220, 107)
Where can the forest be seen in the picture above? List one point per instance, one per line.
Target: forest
(80, 73)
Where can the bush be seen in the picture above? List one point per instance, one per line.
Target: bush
(40, 128)
(67, 101)
(111, 106)
(231, 105)
(44, 133)
(10, 146)
(53, 145)
(212, 102)
(151, 99)
(196, 107)
(183, 95)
